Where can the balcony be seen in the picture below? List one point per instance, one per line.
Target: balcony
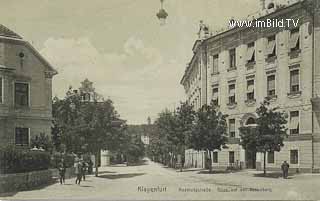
(271, 59)
(232, 69)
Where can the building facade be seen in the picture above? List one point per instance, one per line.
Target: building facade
(238, 68)
(25, 90)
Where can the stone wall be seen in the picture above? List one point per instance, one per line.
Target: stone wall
(24, 181)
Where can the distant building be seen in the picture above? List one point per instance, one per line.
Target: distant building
(25, 90)
(238, 68)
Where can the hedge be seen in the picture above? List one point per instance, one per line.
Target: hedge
(20, 160)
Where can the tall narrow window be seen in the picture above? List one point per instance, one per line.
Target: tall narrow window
(271, 46)
(215, 96)
(232, 94)
(294, 81)
(271, 85)
(1, 90)
(250, 90)
(215, 157)
(231, 157)
(232, 128)
(294, 42)
(232, 55)
(250, 53)
(215, 64)
(22, 136)
(270, 157)
(294, 122)
(294, 156)
(21, 95)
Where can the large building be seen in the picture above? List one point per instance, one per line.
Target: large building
(239, 67)
(25, 90)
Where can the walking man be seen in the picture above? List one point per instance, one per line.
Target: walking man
(84, 170)
(62, 171)
(78, 171)
(285, 169)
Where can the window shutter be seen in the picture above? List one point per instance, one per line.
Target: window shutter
(270, 47)
(294, 38)
(250, 52)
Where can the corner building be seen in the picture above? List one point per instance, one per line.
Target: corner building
(239, 67)
(25, 91)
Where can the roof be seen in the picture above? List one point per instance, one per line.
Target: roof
(7, 34)
(4, 31)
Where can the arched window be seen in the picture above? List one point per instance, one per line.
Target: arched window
(251, 121)
(271, 5)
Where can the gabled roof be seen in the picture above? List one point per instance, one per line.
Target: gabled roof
(7, 34)
(4, 31)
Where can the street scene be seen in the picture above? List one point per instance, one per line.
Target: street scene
(160, 100)
(126, 183)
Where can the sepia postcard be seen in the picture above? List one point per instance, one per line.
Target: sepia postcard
(159, 100)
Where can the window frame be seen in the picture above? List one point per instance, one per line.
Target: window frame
(14, 94)
(298, 44)
(297, 130)
(273, 158)
(275, 86)
(250, 93)
(217, 157)
(15, 136)
(232, 98)
(274, 52)
(298, 158)
(291, 86)
(215, 101)
(232, 60)
(232, 134)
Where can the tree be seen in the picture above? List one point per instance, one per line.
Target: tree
(209, 131)
(185, 117)
(269, 133)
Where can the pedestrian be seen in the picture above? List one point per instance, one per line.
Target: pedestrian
(84, 170)
(285, 169)
(78, 171)
(90, 167)
(62, 171)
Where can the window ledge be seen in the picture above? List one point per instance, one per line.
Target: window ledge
(213, 74)
(232, 69)
(250, 102)
(232, 105)
(294, 54)
(271, 59)
(294, 94)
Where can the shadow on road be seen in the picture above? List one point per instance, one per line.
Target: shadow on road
(103, 172)
(214, 172)
(121, 176)
(274, 175)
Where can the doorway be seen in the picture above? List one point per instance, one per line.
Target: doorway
(250, 158)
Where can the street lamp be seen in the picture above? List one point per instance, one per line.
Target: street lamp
(162, 14)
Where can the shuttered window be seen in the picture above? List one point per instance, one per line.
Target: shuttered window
(250, 52)
(294, 122)
(271, 46)
(22, 136)
(294, 42)
(232, 128)
(271, 85)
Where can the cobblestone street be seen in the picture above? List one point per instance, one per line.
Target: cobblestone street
(154, 182)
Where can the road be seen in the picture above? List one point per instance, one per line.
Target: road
(155, 182)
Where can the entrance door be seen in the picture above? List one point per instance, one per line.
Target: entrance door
(250, 159)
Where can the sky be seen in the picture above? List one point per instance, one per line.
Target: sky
(120, 45)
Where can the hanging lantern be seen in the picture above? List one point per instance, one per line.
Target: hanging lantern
(162, 14)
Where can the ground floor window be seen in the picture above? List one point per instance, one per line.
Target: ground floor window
(270, 157)
(294, 156)
(231, 156)
(215, 157)
(22, 136)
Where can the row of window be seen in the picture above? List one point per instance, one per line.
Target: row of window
(250, 85)
(294, 45)
(294, 157)
(293, 122)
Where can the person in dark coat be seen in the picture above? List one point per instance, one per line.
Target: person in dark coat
(285, 169)
(84, 170)
(62, 172)
(78, 171)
